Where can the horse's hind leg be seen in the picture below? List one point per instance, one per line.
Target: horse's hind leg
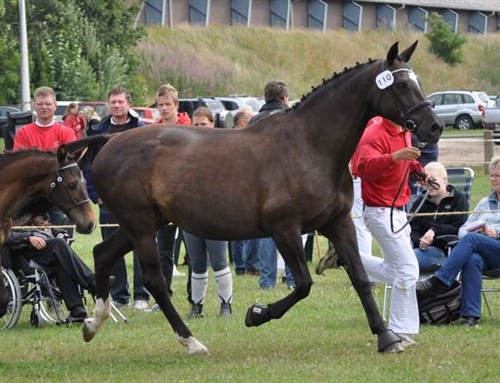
(290, 246)
(154, 281)
(343, 235)
(105, 256)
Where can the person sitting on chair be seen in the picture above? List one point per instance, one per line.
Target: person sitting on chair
(477, 251)
(426, 228)
(49, 248)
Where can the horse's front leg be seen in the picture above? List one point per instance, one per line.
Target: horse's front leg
(290, 246)
(343, 235)
(105, 256)
(147, 250)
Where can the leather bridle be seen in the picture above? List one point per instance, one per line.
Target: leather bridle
(58, 184)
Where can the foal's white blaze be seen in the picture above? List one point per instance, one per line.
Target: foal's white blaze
(92, 325)
(193, 345)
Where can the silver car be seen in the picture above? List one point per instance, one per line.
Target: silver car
(459, 108)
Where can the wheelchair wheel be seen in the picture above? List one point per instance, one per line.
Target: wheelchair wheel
(14, 306)
(35, 317)
(52, 308)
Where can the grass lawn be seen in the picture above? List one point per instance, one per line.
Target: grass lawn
(324, 338)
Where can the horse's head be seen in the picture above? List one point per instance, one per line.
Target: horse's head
(69, 193)
(401, 99)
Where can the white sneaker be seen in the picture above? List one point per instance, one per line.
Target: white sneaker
(406, 340)
(177, 273)
(140, 305)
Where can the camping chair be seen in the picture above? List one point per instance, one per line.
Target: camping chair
(462, 178)
(487, 276)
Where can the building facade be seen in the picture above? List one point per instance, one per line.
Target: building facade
(464, 16)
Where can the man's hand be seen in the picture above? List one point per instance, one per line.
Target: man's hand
(37, 242)
(426, 240)
(406, 154)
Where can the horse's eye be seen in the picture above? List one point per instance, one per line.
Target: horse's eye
(72, 185)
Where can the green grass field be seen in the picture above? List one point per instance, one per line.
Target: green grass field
(324, 338)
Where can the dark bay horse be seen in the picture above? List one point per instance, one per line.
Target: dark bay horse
(29, 175)
(285, 175)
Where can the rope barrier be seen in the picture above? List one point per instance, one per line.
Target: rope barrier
(468, 212)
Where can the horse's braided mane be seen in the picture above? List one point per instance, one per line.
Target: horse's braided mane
(12, 156)
(328, 80)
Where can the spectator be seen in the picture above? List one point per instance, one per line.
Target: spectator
(92, 119)
(425, 229)
(203, 250)
(167, 102)
(120, 119)
(243, 117)
(45, 134)
(477, 251)
(73, 119)
(383, 159)
(276, 98)
(50, 249)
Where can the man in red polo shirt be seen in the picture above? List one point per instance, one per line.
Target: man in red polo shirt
(44, 133)
(384, 160)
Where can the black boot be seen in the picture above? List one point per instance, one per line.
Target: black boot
(196, 311)
(430, 287)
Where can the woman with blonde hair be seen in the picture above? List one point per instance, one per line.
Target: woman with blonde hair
(92, 119)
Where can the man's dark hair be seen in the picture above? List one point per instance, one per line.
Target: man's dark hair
(275, 91)
(120, 90)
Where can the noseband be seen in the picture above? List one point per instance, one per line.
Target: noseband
(58, 181)
(408, 124)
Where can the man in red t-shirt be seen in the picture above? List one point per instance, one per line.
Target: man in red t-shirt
(44, 133)
(383, 160)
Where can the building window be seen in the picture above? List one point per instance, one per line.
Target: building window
(153, 12)
(477, 22)
(198, 11)
(280, 13)
(451, 18)
(417, 17)
(316, 14)
(240, 12)
(386, 17)
(351, 16)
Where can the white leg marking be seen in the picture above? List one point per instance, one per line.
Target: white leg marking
(91, 325)
(193, 345)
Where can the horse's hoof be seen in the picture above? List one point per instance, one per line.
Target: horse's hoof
(257, 314)
(194, 346)
(88, 329)
(389, 342)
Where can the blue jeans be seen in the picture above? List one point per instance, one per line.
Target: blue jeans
(268, 256)
(119, 290)
(431, 256)
(245, 255)
(473, 254)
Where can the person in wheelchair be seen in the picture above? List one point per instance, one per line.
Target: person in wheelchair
(50, 249)
(426, 228)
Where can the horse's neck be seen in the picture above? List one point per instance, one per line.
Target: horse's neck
(21, 180)
(336, 117)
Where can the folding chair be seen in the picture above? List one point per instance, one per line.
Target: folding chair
(490, 275)
(462, 178)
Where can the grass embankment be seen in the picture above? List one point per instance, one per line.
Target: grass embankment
(219, 60)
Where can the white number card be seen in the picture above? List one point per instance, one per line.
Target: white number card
(384, 79)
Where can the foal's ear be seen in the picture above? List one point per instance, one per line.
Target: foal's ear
(78, 154)
(393, 53)
(61, 154)
(406, 54)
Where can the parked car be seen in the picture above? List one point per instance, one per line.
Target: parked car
(4, 111)
(147, 115)
(461, 109)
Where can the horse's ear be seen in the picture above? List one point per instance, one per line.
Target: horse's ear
(406, 54)
(393, 53)
(62, 154)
